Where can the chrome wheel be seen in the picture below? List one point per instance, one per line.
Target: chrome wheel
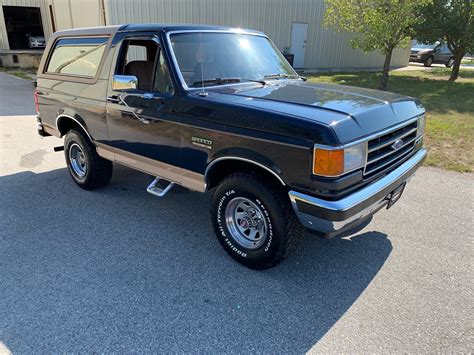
(246, 222)
(77, 160)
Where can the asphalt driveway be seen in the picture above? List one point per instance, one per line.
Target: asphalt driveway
(118, 269)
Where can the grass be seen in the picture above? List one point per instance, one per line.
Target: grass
(467, 60)
(27, 74)
(450, 109)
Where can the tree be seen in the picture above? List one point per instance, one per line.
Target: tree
(376, 24)
(451, 21)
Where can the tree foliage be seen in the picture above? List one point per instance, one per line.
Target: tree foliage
(451, 21)
(376, 24)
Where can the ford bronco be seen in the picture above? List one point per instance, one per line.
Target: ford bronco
(213, 108)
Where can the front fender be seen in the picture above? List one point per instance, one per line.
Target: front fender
(245, 155)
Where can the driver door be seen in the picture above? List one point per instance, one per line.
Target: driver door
(142, 131)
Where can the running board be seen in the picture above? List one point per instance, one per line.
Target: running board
(160, 190)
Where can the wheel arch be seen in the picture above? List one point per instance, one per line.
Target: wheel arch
(64, 123)
(223, 166)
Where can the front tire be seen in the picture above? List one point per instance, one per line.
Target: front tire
(254, 221)
(428, 62)
(86, 167)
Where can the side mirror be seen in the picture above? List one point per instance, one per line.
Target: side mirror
(124, 82)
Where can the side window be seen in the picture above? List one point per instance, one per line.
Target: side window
(77, 56)
(162, 83)
(144, 59)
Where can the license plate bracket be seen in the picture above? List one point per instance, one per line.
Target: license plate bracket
(395, 195)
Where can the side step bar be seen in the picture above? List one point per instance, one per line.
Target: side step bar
(159, 190)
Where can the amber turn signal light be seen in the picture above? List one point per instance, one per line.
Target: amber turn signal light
(328, 162)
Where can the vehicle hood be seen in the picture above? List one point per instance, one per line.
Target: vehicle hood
(351, 112)
(37, 38)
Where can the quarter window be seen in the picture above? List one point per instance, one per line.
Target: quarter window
(77, 56)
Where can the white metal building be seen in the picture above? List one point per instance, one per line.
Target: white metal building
(294, 25)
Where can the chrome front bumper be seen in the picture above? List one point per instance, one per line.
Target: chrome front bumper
(334, 217)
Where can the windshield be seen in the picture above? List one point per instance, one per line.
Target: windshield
(424, 46)
(213, 58)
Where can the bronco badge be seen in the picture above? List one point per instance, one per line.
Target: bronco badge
(201, 142)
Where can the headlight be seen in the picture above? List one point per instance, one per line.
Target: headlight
(331, 162)
(421, 126)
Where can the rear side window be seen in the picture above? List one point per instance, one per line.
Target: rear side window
(77, 56)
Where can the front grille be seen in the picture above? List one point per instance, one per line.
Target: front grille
(382, 154)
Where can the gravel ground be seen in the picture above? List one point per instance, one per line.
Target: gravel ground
(118, 269)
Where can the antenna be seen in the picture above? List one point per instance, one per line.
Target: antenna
(203, 92)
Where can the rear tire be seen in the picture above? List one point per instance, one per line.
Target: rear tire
(428, 62)
(254, 221)
(86, 167)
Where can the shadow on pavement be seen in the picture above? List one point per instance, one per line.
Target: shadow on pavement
(117, 269)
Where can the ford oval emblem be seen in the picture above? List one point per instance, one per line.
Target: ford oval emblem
(397, 144)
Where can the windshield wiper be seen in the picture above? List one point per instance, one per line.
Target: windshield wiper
(220, 81)
(280, 76)
(260, 81)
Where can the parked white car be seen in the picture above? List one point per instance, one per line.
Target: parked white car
(36, 41)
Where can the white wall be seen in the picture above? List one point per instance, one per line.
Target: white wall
(77, 13)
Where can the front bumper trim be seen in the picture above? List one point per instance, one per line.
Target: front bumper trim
(333, 217)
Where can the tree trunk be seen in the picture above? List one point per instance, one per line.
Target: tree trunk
(386, 68)
(457, 62)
